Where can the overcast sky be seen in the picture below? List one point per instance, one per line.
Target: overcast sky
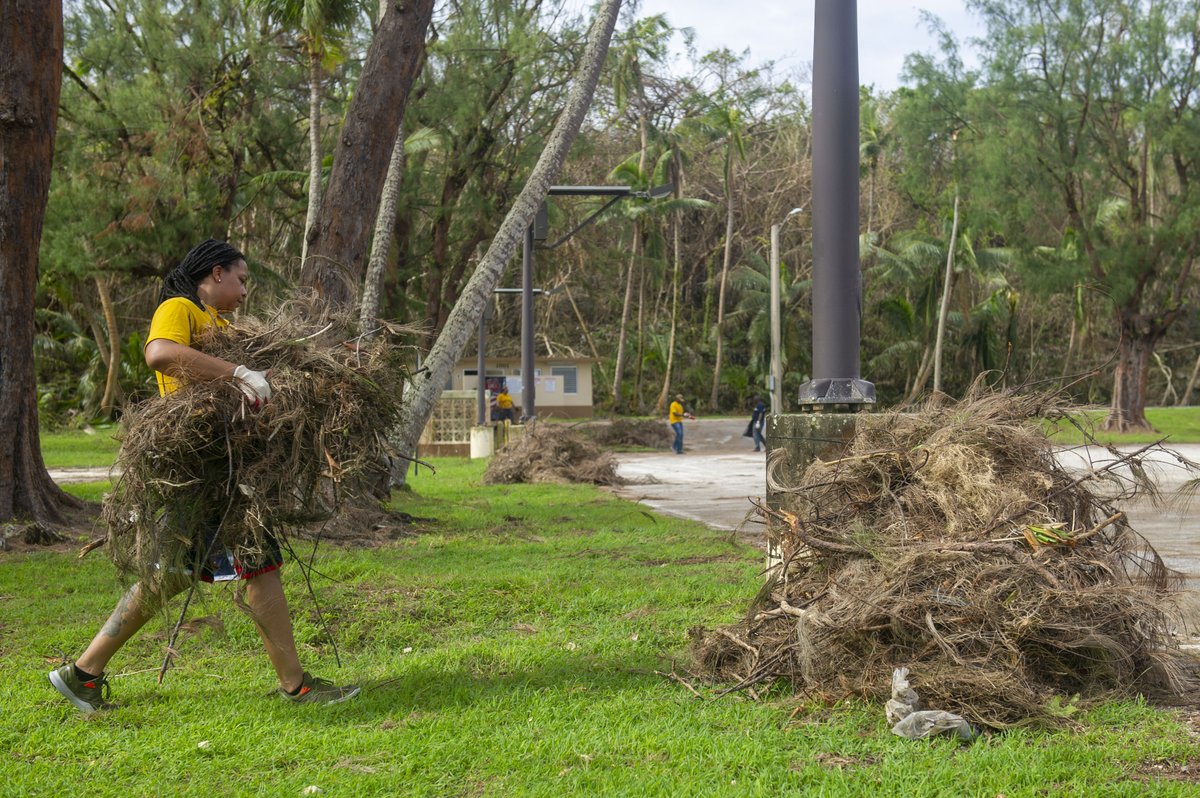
(782, 30)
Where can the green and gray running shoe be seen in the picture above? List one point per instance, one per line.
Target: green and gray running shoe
(86, 696)
(320, 691)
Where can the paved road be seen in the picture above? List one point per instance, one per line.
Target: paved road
(717, 476)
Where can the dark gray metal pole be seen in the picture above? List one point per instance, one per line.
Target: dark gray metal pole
(837, 274)
(527, 389)
(480, 370)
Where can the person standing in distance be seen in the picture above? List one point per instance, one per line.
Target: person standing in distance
(210, 280)
(758, 422)
(675, 416)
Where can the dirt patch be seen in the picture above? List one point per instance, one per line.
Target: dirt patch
(27, 536)
(366, 524)
(1187, 772)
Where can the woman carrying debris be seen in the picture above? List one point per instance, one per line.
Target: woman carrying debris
(210, 280)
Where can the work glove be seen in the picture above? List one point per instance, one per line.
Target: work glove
(254, 385)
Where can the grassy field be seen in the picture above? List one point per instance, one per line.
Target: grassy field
(510, 648)
(1176, 424)
(79, 449)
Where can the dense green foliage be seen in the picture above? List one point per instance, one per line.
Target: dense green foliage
(1071, 148)
(516, 645)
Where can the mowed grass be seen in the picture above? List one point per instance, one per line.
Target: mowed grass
(74, 449)
(1175, 424)
(514, 647)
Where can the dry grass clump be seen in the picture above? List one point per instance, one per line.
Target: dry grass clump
(952, 542)
(622, 432)
(202, 454)
(554, 454)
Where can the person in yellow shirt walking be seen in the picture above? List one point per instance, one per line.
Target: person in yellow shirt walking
(675, 415)
(210, 280)
(504, 406)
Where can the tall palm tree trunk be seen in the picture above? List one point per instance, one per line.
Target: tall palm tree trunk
(720, 329)
(112, 383)
(314, 153)
(666, 386)
(464, 317)
(944, 311)
(381, 243)
(623, 334)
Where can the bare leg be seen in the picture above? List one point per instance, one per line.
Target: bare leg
(269, 609)
(137, 606)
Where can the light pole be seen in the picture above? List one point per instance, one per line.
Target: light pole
(776, 387)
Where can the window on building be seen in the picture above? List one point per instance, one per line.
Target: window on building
(569, 377)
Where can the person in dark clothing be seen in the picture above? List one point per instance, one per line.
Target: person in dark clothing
(758, 424)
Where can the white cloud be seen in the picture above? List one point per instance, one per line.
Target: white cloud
(782, 30)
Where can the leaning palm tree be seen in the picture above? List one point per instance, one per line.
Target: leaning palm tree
(320, 26)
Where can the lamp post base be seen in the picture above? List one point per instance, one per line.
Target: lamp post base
(841, 391)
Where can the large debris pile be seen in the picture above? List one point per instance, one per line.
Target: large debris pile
(202, 452)
(554, 454)
(631, 432)
(951, 542)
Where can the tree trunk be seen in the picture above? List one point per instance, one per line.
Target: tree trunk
(342, 236)
(1134, 354)
(666, 386)
(720, 331)
(1186, 396)
(112, 383)
(314, 155)
(923, 371)
(623, 334)
(31, 38)
(381, 243)
(641, 341)
(464, 318)
(944, 310)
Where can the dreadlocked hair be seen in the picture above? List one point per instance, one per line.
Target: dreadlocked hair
(184, 279)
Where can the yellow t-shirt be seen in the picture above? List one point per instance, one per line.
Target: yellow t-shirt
(675, 412)
(179, 319)
(503, 401)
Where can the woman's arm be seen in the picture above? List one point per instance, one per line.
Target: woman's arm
(176, 360)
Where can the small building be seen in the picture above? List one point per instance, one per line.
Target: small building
(563, 385)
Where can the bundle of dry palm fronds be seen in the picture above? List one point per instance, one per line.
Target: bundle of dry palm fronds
(953, 542)
(555, 454)
(202, 455)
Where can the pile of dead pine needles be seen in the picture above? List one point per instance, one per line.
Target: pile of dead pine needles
(951, 541)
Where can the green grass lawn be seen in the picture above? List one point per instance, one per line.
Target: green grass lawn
(79, 449)
(1176, 424)
(509, 649)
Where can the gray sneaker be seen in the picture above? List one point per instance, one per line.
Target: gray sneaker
(86, 696)
(320, 691)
